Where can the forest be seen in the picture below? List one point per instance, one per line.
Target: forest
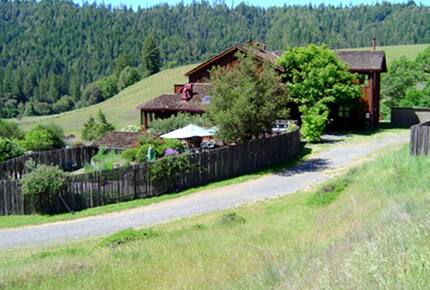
(57, 55)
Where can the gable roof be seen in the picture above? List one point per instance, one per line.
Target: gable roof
(173, 102)
(261, 53)
(363, 60)
(119, 140)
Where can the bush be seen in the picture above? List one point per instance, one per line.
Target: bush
(45, 183)
(170, 167)
(9, 149)
(56, 132)
(92, 95)
(128, 76)
(43, 137)
(66, 103)
(38, 140)
(231, 219)
(10, 130)
(108, 86)
(162, 126)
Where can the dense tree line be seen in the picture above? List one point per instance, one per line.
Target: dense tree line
(52, 50)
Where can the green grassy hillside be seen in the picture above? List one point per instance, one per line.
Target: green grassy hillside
(121, 109)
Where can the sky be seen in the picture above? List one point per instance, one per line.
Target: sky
(264, 3)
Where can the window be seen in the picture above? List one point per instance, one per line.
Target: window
(344, 112)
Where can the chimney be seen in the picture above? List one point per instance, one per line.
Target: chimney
(374, 43)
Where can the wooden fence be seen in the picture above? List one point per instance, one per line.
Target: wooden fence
(133, 182)
(14, 168)
(419, 143)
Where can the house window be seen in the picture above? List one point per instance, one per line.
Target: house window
(344, 112)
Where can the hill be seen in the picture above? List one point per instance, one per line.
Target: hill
(50, 51)
(121, 109)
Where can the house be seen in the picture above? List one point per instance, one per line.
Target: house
(194, 96)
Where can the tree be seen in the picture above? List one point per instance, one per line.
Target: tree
(96, 129)
(91, 95)
(108, 86)
(150, 59)
(128, 76)
(66, 103)
(315, 79)
(89, 132)
(247, 99)
(103, 125)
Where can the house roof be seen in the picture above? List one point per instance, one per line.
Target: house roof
(119, 140)
(173, 102)
(363, 60)
(261, 53)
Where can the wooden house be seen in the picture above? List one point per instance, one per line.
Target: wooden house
(194, 96)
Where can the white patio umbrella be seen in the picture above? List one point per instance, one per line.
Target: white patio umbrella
(188, 132)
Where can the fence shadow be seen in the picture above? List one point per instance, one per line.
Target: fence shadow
(311, 165)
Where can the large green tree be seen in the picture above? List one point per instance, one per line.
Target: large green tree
(316, 79)
(151, 61)
(246, 99)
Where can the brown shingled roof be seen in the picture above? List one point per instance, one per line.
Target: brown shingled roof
(363, 60)
(173, 102)
(119, 140)
(267, 56)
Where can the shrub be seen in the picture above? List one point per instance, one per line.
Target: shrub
(56, 132)
(10, 130)
(38, 140)
(129, 154)
(128, 76)
(9, 149)
(92, 95)
(66, 103)
(169, 168)
(44, 183)
(108, 86)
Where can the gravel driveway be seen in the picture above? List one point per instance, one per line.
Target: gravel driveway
(299, 177)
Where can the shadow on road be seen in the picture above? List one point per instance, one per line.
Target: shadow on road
(311, 165)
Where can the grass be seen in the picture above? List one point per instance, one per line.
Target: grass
(373, 233)
(121, 109)
(308, 151)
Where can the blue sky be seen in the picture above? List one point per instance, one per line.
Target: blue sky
(265, 3)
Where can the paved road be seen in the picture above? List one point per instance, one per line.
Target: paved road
(285, 182)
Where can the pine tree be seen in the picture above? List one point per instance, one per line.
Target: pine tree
(150, 56)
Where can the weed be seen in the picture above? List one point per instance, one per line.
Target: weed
(128, 235)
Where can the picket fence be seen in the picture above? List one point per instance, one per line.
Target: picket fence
(135, 181)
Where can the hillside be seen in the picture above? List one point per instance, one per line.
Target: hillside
(50, 51)
(121, 109)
